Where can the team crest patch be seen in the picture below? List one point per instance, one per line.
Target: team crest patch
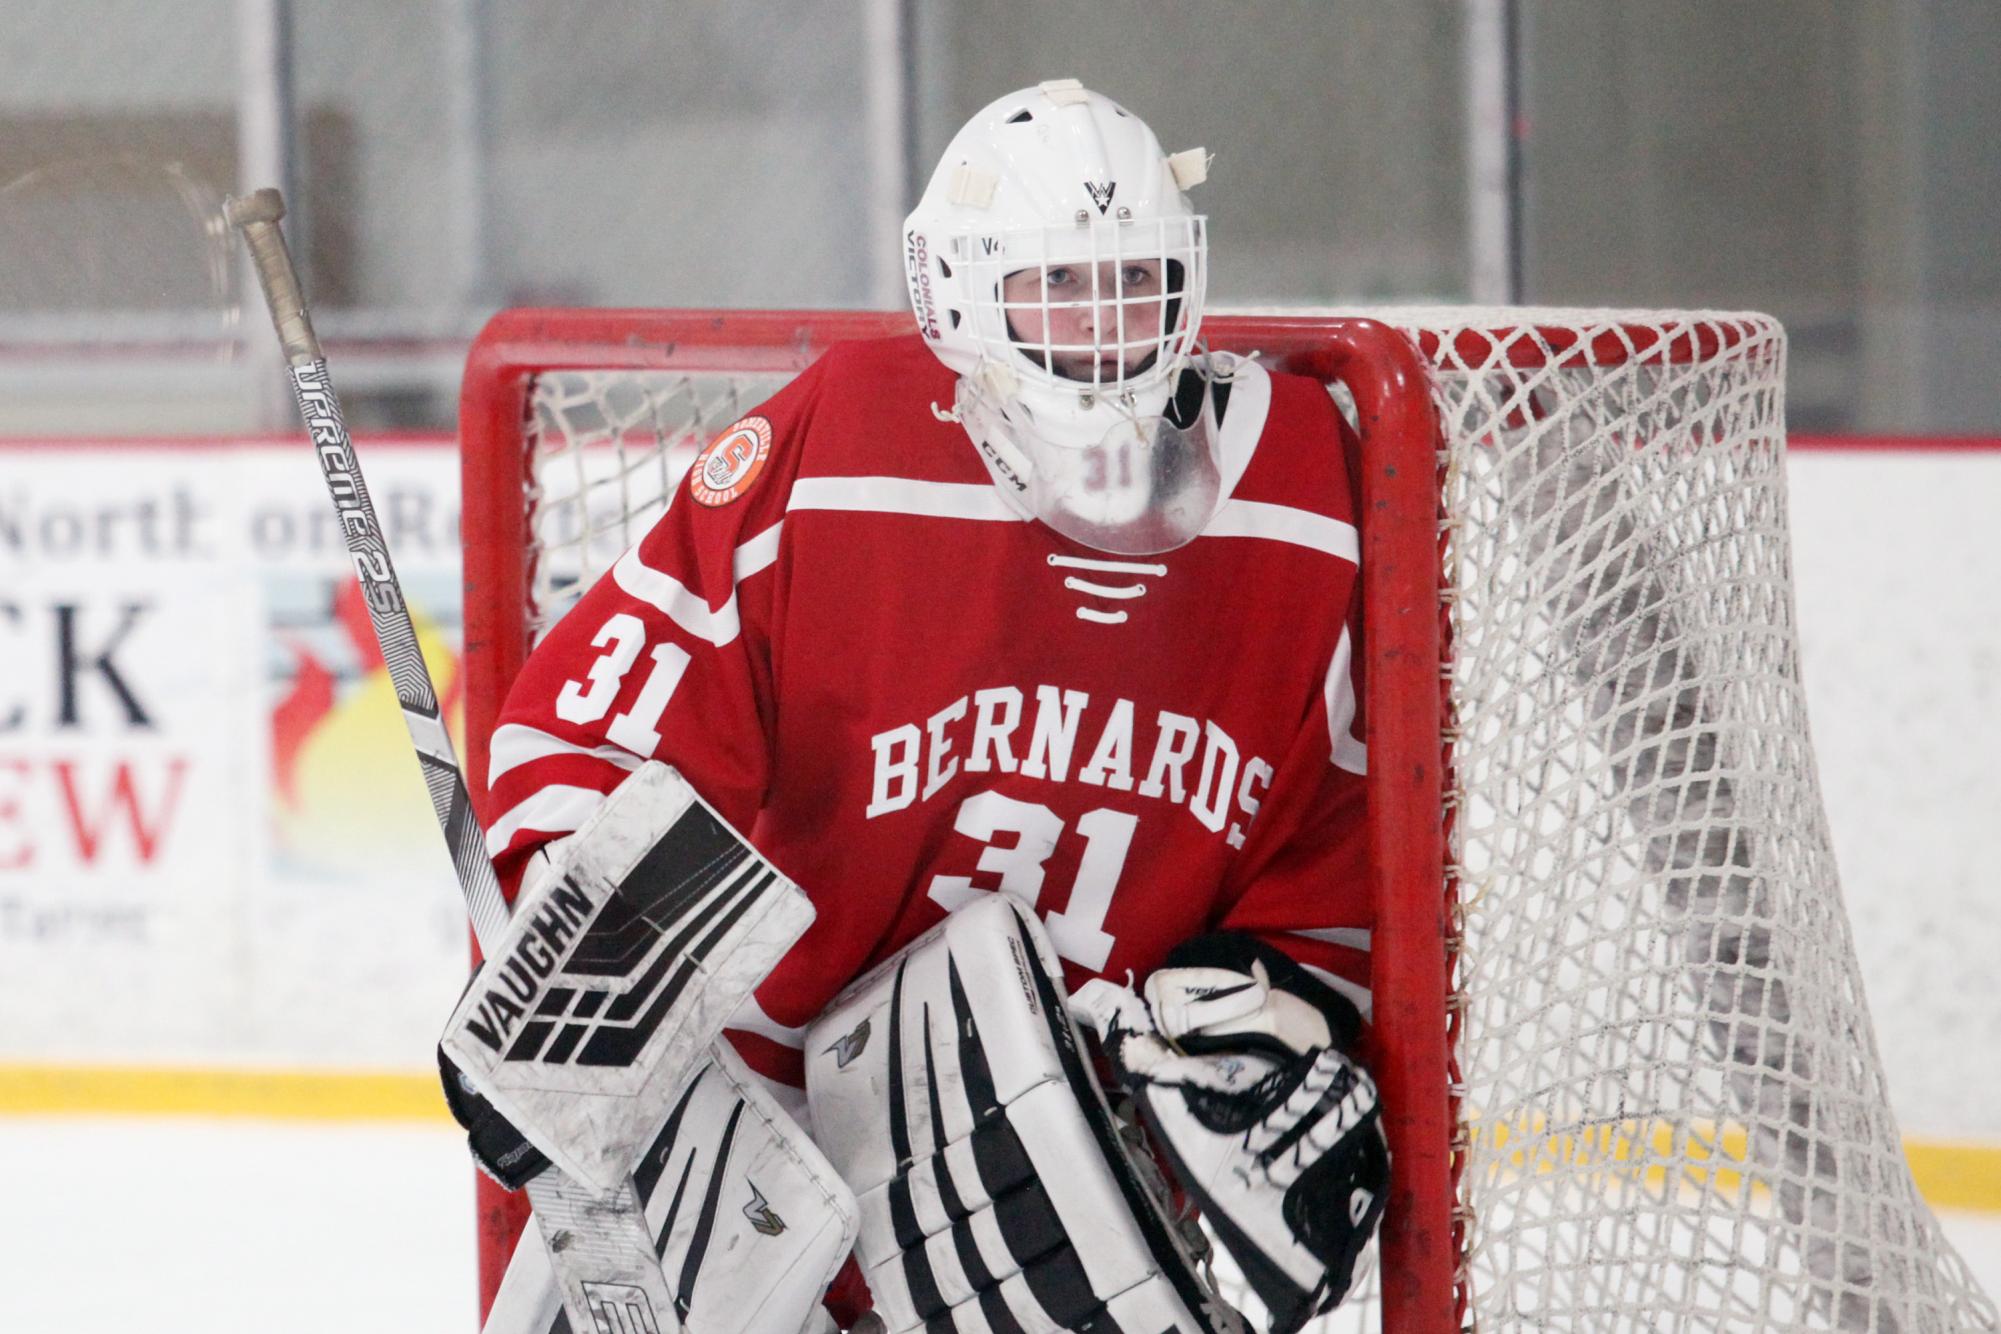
(733, 460)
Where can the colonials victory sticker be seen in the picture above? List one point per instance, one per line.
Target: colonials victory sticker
(725, 470)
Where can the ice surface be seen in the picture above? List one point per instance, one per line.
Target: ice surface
(213, 1227)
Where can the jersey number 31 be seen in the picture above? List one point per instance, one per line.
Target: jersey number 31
(1078, 930)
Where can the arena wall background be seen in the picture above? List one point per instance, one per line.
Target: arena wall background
(222, 893)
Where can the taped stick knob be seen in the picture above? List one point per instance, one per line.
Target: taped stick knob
(256, 216)
(265, 205)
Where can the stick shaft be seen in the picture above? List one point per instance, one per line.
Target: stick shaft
(257, 216)
(596, 1246)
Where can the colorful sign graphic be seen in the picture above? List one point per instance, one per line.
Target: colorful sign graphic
(214, 844)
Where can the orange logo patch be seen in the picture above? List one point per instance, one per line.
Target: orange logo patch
(725, 470)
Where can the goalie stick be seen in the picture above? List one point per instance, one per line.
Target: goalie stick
(256, 216)
(600, 1246)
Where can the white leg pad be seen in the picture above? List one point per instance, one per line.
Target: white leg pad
(949, 1087)
(750, 1221)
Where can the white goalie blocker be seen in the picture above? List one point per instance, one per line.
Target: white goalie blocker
(749, 1221)
(951, 1091)
(617, 971)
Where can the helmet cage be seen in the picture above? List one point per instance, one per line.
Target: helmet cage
(1115, 310)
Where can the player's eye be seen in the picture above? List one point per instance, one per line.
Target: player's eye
(1059, 277)
(1138, 277)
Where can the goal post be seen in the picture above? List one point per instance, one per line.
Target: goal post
(1628, 1073)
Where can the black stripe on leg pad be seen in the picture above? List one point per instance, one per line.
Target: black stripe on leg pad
(705, 1222)
(1000, 1317)
(1028, 1222)
(1171, 1260)
(1002, 1160)
(646, 1176)
(973, 1068)
(1061, 1288)
(971, 1263)
(923, 1284)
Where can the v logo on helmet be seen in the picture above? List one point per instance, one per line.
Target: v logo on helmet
(1101, 193)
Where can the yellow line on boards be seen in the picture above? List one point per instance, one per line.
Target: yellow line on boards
(1956, 1176)
(1950, 1175)
(285, 1095)
(1701, 1156)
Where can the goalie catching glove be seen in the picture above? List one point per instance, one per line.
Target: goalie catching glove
(1239, 1061)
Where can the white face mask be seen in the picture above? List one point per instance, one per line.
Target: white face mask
(1107, 474)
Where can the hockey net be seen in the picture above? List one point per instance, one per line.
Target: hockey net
(1629, 1072)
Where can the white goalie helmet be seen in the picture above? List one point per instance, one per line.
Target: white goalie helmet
(1055, 263)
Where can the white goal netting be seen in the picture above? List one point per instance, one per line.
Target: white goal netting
(1676, 1115)
(1673, 1116)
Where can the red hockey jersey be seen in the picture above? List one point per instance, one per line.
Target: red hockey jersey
(907, 695)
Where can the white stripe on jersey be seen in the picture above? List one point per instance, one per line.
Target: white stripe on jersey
(1283, 523)
(756, 554)
(556, 809)
(1107, 566)
(751, 1018)
(1339, 692)
(658, 589)
(1352, 937)
(1076, 585)
(1358, 994)
(515, 745)
(902, 495)
(661, 590)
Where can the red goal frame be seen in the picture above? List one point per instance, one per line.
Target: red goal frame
(1406, 685)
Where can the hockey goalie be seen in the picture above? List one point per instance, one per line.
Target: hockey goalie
(1025, 646)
